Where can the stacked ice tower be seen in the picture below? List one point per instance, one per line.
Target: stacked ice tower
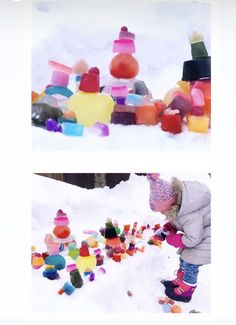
(89, 105)
(57, 243)
(191, 101)
(198, 72)
(124, 65)
(61, 232)
(133, 104)
(125, 100)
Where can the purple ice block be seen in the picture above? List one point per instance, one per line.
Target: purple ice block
(182, 104)
(52, 125)
(124, 118)
(100, 129)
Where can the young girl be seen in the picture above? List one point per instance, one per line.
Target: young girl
(187, 207)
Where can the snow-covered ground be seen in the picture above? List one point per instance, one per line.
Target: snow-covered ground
(141, 273)
(67, 31)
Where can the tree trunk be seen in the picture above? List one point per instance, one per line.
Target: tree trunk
(99, 180)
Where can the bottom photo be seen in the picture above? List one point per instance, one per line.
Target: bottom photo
(121, 243)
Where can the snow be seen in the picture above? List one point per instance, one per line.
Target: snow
(141, 274)
(68, 31)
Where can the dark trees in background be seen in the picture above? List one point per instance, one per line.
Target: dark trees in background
(90, 181)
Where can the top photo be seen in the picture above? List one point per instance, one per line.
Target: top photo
(121, 75)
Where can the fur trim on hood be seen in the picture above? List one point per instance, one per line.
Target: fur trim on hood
(172, 213)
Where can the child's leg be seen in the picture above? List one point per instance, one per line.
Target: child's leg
(187, 285)
(181, 262)
(190, 273)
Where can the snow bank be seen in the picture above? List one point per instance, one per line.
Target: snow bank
(141, 274)
(67, 31)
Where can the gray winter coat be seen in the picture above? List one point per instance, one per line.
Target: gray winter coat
(193, 218)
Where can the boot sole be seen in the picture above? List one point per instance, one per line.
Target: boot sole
(176, 298)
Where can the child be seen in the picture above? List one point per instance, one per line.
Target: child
(187, 207)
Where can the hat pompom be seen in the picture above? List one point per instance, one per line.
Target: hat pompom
(153, 176)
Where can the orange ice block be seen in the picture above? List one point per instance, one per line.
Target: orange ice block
(147, 115)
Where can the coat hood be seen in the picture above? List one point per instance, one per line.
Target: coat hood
(195, 196)
(191, 196)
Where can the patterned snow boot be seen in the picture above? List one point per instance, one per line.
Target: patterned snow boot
(174, 283)
(181, 293)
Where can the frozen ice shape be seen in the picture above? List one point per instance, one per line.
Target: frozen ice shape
(197, 97)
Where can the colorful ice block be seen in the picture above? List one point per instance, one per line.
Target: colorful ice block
(57, 260)
(171, 121)
(124, 46)
(124, 66)
(160, 106)
(67, 288)
(124, 118)
(119, 91)
(135, 100)
(207, 107)
(72, 129)
(88, 104)
(198, 124)
(100, 129)
(197, 97)
(205, 86)
(147, 115)
(182, 103)
(140, 88)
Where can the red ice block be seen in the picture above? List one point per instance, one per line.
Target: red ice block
(116, 257)
(61, 231)
(124, 65)
(171, 122)
(160, 106)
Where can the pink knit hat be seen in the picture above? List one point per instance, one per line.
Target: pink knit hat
(162, 193)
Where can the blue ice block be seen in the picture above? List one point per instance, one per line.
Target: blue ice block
(72, 129)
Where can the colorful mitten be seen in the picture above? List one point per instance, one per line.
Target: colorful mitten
(175, 240)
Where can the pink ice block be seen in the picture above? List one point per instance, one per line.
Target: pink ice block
(60, 79)
(71, 267)
(59, 67)
(126, 35)
(119, 91)
(97, 251)
(123, 46)
(48, 239)
(53, 249)
(197, 97)
(89, 232)
(61, 221)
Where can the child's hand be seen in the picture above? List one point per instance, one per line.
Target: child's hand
(169, 227)
(161, 233)
(175, 240)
